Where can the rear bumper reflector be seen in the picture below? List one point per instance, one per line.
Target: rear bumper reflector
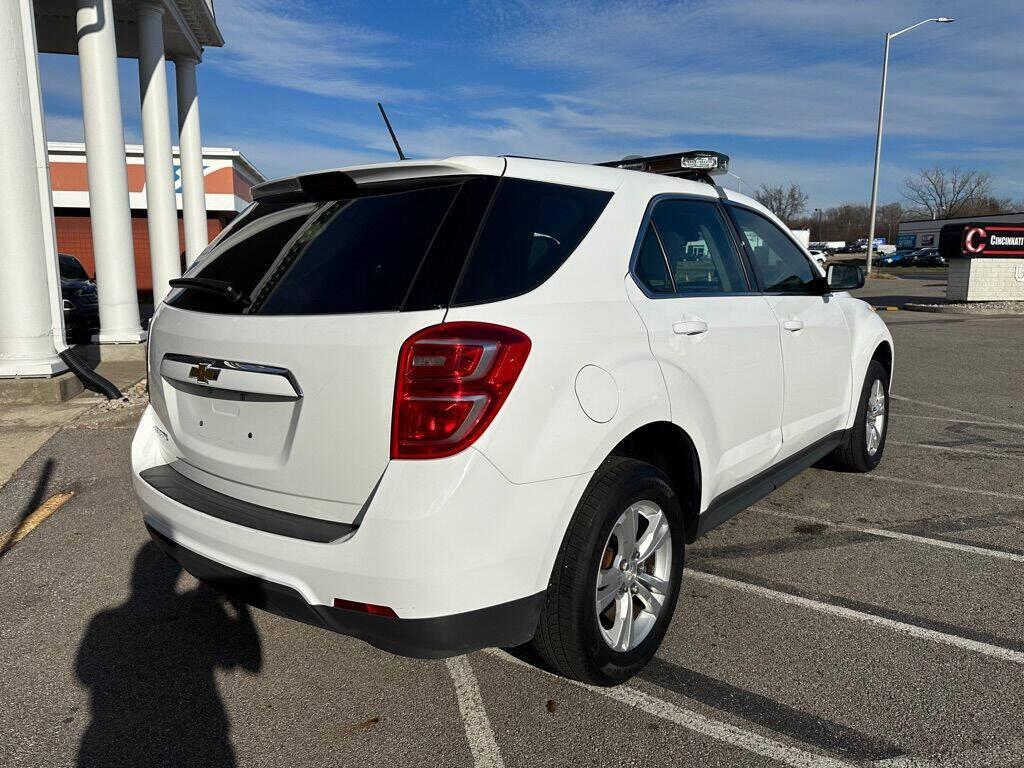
(504, 625)
(210, 502)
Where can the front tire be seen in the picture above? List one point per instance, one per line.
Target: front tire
(616, 578)
(865, 443)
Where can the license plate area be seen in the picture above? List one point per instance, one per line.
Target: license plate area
(234, 429)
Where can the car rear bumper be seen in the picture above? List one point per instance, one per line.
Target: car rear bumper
(458, 552)
(508, 624)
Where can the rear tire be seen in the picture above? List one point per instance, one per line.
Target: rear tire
(634, 575)
(865, 442)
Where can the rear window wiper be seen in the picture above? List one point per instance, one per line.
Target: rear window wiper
(221, 288)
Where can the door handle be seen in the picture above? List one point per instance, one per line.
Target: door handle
(694, 327)
(793, 325)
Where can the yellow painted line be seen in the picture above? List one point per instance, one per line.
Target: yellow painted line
(887, 309)
(34, 520)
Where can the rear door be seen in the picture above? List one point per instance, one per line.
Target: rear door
(284, 398)
(815, 337)
(714, 335)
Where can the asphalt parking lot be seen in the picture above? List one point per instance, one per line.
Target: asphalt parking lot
(846, 620)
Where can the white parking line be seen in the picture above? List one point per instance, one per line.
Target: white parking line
(909, 537)
(1004, 424)
(905, 761)
(922, 633)
(986, 454)
(940, 487)
(694, 721)
(479, 733)
(953, 410)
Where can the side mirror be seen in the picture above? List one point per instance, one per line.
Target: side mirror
(845, 277)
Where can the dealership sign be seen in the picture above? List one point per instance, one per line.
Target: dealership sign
(982, 241)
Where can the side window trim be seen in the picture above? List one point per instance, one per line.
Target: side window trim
(664, 254)
(647, 223)
(762, 288)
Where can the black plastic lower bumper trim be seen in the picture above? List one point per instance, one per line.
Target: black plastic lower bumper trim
(176, 486)
(504, 625)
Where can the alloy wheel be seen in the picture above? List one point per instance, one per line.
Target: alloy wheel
(633, 576)
(875, 417)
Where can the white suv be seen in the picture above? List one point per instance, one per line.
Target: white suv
(446, 405)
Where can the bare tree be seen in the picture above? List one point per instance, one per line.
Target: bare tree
(785, 202)
(941, 193)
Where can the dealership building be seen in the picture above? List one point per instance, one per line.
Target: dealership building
(227, 178)
(924, 233)
(985, 254)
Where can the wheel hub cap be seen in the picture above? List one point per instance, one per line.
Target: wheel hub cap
(874, 418)
(633, 576)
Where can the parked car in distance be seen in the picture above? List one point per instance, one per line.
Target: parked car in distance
(78, 298)
(850, 249)
(925, 257)
(893, 259)
(819, 256)
(419, 403)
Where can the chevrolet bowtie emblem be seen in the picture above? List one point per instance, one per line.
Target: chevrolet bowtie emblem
(203, 373)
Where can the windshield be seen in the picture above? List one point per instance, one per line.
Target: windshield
(71, 268)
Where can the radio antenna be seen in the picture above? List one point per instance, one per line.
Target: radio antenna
(401, 154)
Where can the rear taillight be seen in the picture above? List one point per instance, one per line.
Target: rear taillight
(452, 379)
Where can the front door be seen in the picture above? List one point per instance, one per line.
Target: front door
(716, 339)
(815, 336)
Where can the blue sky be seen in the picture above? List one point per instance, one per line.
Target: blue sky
(789, 89)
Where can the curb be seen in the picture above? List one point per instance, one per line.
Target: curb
(938, 309)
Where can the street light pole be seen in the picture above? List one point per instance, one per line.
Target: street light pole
(878, 135)
(740, 189)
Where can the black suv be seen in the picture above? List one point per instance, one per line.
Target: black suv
(926, 257)
(80, 301)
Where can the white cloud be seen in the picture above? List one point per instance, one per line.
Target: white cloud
(292, 45)
(769, 68)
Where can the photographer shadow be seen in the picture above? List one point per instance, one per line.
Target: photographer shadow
(149, 667)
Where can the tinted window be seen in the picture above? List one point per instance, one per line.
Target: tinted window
(432, 288)
(243, 254)
(356, 255)
(781, 265)
(71, 268)
(698, 249)
(531, 229)
(651, 269)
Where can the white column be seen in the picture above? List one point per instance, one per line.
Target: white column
(156, 138)
(108, 176)
(193, 190)
(26, 323)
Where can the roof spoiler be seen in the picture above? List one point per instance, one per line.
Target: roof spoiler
(309, 187)
(698, 164)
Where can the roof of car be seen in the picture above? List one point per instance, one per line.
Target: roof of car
(554, 171)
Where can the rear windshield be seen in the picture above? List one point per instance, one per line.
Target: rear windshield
(428, 245)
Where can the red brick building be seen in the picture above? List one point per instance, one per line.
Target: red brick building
(228, 176)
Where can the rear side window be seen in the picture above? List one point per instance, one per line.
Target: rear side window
(651, 269)
(698, 248)
(531, 229)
